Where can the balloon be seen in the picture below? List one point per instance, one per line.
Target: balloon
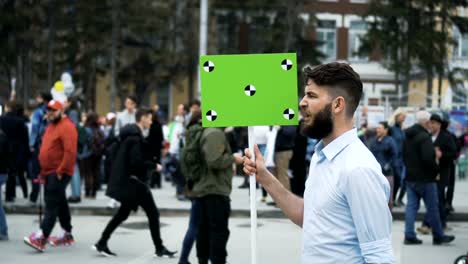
(69, 88)
(66, 78)
(59, 86)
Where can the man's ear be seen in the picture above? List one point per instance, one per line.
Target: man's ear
(339, 105)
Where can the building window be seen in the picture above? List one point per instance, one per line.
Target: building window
(460, 48)
(326, 37)
(357, 30)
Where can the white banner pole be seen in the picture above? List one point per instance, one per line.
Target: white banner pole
(253, 202)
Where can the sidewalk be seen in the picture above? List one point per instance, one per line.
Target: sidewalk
(170, 206)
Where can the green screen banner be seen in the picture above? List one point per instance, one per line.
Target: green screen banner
(249, 90)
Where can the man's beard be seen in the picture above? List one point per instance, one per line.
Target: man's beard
(55, 120)
(322, 125)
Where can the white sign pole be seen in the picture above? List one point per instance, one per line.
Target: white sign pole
(253, 202)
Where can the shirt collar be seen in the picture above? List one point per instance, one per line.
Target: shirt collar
(337, 145)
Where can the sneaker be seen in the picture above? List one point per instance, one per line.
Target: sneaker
(442, 240)
(412, 241)
(65, 240)
(424, 230)
(4, 238)
(164, 252)
(104, 250)
(263, 200)
(36, 243)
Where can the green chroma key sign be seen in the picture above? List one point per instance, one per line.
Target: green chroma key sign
(249, 90)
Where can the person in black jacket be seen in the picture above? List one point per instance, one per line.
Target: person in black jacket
(298, 163)
(17, 134)
(421, 172)
(127, 183)
(446, 152)
(155, 145)
(5, 165)
(284, 146)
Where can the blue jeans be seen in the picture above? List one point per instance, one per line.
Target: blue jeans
(192, 231)
(76, 183)
(3, 223)
(428, 192)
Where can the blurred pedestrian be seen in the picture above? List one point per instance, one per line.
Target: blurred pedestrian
(398, 135)
(283, 153)
(57, 158)
(72, 111)
(298, 164)
(38, 126)
(155, 141)
(127, 116)
(127, 183)
(445, 150)
(89, 164)
(5, 166)
(421, 173)
(16, 131)
(384, 148)
(192, 166)
(175, 138)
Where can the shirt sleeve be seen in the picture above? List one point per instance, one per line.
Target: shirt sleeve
(367, 193)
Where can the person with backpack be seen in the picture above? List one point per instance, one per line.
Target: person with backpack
(208, 161)
(92, 153)
(57, 159)
(127, 183)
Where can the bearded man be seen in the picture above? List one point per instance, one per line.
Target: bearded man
(344, 213)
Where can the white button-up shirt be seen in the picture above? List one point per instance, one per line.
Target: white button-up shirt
(346, 214)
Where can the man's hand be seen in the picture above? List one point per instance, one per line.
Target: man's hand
(238, 159)
(59, 176)
(158, 167)
(255, 167)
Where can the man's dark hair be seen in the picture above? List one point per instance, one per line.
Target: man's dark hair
(46, 96)
(340, 80)
(132, 98)
(141, 112)
(12, 106)
(195, 102)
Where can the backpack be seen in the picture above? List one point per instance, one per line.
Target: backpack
(97, 142)
(192, 161)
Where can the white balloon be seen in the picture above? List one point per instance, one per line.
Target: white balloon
(66, 78)
(69, 88)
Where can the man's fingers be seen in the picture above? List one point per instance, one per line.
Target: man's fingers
(258, 154)
(247, 153)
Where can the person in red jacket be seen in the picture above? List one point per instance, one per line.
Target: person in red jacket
(57, 158)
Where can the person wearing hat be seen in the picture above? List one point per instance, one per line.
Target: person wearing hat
(57, 157)
(421, 180)
(446, 151)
